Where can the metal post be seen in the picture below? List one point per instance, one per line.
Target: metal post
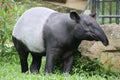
(93, 6)
(103, 7)
(98, 9)
(117, 11)
(110, 4)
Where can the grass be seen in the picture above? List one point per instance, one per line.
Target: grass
(10, 70)
(9, 61)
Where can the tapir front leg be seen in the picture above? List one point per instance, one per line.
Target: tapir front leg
(51, 56)
(68, 60)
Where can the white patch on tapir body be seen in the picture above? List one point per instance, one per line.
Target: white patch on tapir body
(29, 28)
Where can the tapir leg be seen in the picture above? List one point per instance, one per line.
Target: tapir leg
(23, 54)
(68, 62)
(23, 61)
(51, 56)
(36, 62)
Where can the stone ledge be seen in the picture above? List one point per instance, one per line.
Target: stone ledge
(110, 55)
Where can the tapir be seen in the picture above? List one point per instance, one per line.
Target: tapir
(44, 32)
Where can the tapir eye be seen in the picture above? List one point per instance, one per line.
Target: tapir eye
(89, 24)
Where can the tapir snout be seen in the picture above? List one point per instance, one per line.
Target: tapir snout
(99, 35)
(92, 30)
(102, 37)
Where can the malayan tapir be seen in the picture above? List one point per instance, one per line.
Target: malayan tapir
(42, 31)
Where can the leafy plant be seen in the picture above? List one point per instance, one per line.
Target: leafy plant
(5, 29)
(85, 64)
(9, 12)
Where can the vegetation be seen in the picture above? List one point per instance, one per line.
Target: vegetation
(83, 69)
(108, 9)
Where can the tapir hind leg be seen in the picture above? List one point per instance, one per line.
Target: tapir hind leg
(36, 62)
(23, 54)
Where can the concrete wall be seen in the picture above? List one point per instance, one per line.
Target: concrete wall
(76, 4)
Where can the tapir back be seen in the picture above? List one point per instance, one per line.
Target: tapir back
(29, 28)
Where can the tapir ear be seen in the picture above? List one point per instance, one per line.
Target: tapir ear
(93, 14)
(74, 16)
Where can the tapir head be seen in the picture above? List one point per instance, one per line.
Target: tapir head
(87, 28)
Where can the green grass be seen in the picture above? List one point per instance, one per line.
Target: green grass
(10, 70)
